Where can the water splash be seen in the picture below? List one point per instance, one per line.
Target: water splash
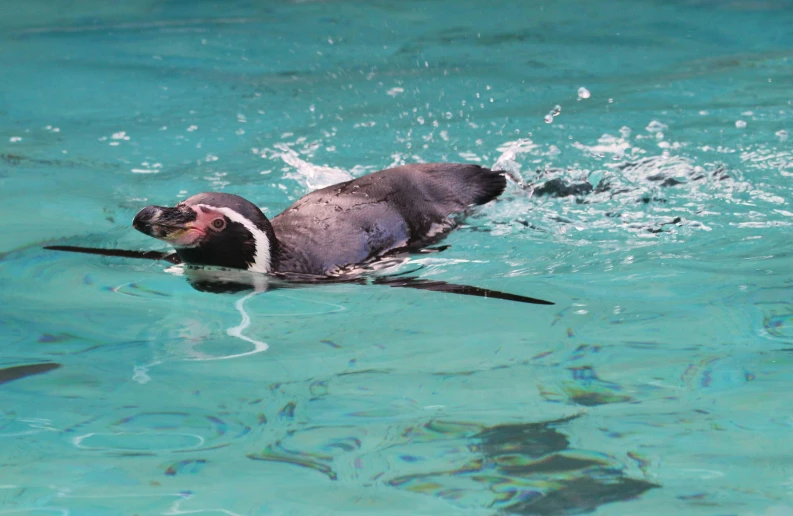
(140, 374)
(507, 161)
(621, 183)
(608, 144)
(309, 175)
(556, 111)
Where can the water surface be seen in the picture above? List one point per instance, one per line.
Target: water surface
(657, 383)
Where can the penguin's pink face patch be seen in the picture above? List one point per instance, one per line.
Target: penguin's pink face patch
(182, 225)
(208, 221)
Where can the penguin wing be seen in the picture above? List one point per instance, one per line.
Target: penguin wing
(356, 221)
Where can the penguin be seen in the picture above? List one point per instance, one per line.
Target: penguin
(331, 233)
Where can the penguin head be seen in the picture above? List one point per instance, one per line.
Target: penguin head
(213, 229)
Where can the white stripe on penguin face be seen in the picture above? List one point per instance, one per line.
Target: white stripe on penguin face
(261, 256)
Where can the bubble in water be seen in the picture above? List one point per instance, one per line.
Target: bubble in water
(656, 127)
(740, 124)
(782, 134)
(583, 93)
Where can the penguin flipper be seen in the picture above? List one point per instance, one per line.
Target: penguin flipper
(123, 253)
(451, 288)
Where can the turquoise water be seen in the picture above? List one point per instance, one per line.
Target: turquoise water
(659, 382)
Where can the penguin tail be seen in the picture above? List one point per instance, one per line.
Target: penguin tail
(471, 184)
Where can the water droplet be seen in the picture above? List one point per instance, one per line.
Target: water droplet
(583, 93)
(740, 124)
(395, 91)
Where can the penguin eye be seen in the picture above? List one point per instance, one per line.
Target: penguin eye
(218, 224)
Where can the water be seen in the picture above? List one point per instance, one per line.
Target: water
(657, 383)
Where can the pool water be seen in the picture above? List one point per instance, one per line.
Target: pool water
(655, 211)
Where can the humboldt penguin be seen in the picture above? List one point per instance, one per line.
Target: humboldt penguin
(328, 233)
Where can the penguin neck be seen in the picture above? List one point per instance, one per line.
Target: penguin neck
(273, 248)
(264, 255)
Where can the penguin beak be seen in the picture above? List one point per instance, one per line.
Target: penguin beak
(173, 225)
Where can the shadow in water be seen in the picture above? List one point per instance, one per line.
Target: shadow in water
(530, 469)
(9, 374)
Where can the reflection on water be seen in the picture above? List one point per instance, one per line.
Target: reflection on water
(529, 469)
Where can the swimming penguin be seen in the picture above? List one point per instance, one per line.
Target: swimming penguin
(330, 232)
